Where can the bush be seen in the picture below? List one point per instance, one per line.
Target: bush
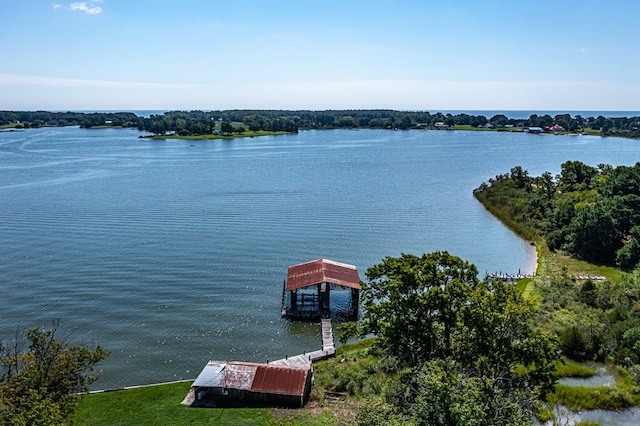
(573, 343)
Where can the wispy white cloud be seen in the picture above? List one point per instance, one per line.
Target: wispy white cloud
(29, 80)
(83, 7)
(56, 6)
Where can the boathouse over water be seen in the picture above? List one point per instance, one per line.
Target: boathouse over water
(307, 290)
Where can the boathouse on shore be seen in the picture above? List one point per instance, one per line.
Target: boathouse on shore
(307, 291)
(251, 384)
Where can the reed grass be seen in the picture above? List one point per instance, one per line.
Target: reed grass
(567, 368)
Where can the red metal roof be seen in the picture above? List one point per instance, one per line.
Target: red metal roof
(280, 379)
(322, 271)
(267, 378)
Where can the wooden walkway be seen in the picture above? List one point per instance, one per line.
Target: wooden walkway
(327, 336)
(307, 358)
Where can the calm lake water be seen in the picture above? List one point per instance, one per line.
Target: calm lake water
(170, 253)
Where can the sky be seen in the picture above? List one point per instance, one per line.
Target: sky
(561, 55)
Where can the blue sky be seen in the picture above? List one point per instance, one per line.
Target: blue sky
(306, 54)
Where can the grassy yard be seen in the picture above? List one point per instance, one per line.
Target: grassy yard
(351, 371)
(160, 405)
(555, 264)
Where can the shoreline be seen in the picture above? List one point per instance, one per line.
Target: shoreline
(247, 134)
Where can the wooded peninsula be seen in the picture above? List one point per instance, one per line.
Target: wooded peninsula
(229, 122)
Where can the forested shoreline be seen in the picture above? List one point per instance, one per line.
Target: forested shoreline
(190, 123)
(590, 213)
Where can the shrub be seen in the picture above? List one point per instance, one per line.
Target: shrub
(573, 343)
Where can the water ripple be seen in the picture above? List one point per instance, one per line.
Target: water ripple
(171, 254)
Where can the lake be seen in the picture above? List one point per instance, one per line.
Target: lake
(170, 252)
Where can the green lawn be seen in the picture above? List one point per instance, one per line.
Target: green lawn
(160, 405)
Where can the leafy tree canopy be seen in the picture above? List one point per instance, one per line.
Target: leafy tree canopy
(42, 378)
(467, 346)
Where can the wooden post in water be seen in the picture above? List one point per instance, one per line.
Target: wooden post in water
(324, 298)
(355, 303)
(284, 297)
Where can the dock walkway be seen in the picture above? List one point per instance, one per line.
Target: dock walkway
(327, 336)
(307, 358)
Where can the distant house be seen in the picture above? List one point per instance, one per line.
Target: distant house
(557, 128)
(250, 384)
(533, 129)
(108, 123)
(441, 125)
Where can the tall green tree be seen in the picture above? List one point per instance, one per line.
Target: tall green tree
(468, 347)
(594, 233)
(520, 177)
(414, 304)
(628, 256)
(226, 128)
(42, 378)
(576, 176)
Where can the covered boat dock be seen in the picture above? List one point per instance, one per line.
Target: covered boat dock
(306, 293)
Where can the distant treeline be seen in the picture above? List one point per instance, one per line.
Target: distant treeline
(204, 122)
(291, 121)
(27, 119)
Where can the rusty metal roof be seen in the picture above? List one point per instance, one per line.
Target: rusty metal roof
(280, 379)
(322, 271)
(266, 378)
(239, 376)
